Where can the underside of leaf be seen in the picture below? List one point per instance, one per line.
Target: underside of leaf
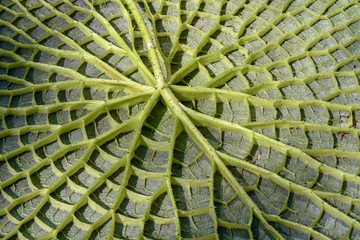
(179, 119)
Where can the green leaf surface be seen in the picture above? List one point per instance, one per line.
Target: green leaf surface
(179, 119)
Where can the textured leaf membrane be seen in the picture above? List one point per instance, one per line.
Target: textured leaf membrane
(171, 119)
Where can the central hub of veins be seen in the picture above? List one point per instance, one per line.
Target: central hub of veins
(161, 83)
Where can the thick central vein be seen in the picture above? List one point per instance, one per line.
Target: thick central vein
(160, 80)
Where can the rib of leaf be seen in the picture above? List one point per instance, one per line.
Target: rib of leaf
(177, 130)
(211, 31)
(203, 119)
(33, 194)
(309, 193)
(78, 81)
(253, 55)
(81, 82)
(36, 45)
(224, 77)
(97, 61)
(252, 17)
(184, 24)
(273, 176)
(64, 53)
(15, 80)
(308, 230)
(299, 29)
(137, 52)
(162, 59)
(327, 195)
(299, 124)
(128, 17)
(280, 84)
(101, 139)
(73, 125)
(211, 153)
(160, 80)
(15, 29)
(327, 152)
(45, 162)
(260, 52)
(111, 30)
(122, 191)
(187, 26)
(76, 166)
(132, 54)
(125, 162)
(121, 194)
(146, 215)
(104, 175)
(47, 67)
(188, 94)
(44, 108)
(193, 63)
(212, 203)
(28, 129)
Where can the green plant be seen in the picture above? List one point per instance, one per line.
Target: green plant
(164, 119)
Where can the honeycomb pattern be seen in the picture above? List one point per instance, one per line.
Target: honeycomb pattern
(171, 119)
